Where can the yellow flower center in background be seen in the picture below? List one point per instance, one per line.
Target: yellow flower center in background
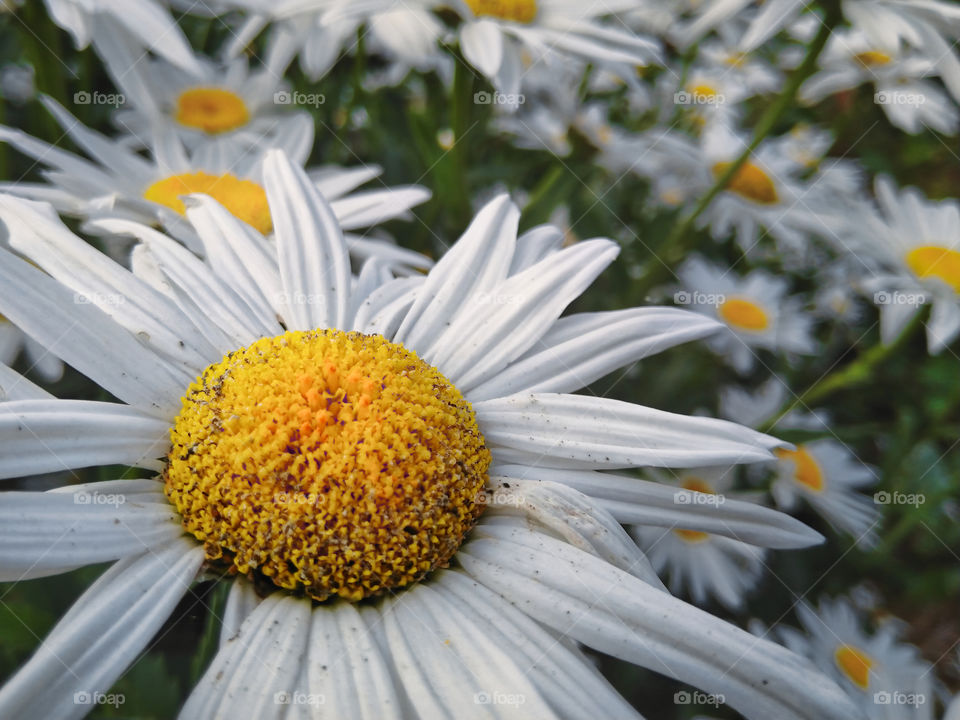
(703, 91)
(807, 470)
(692, 536)
(872, 58)
(697, 485)
(521, 11)
(213, 110)
(244, 198)
(330, 462)
(855, 664)
(936, 262)
(744, 315)
(750, 182)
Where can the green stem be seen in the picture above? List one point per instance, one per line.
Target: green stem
(859, 371)
(462, 117)
(675, 245)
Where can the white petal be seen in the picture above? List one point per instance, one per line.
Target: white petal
(565, 677)
(46, 533)
(346, 668)
(314, 266)
(448, 663)
(87, 339)
(102, 634)
(603, 607)
(13, 386)
(482, 44)
(496, 327)
(38, 436)
(257, 665)
(475, 264)
(594, 433)
(634, 501)
(241, 602)
(535, 245)
(568, 514)
(376, 206)
(580, 349)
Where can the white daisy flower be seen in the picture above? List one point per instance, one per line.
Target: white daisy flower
(332, 436)
(495, 35)
(910, 102)
(224, 105)
(824, 471)
(930, 26)
(704, 565)
(756, 308)
(766, 192)
(916, 243)
(408, 33)
(121, 182)
(887, 678)
(750, 71)
(146, 22)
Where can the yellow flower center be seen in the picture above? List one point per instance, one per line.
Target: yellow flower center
(521, 11)
(872, 58)
(329, 462)
(807, 470)
(735, 59)
(692, 536)
(703, 91)
(750, 182)
(244, 198)
(213, 110)
(936, 262)
(855, 664)
(744, 315)
(697, 485)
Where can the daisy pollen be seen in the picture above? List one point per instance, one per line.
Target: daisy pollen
(934, 261)
(744, 314)
(213, 110)
(855, 664)
(750, 182)
(521, 11)
(245, 199)
(333, 462)
(807, 472)
(872, 58)
(697, 485)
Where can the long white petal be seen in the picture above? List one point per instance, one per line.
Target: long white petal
(594, 433)
(102, 634)
(84, 337)
(601, 606)
(640, 502)
(38, 436)
(314, 267)
(46, 533)
(580, 349)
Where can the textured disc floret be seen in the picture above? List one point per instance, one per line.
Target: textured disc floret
(330, 462)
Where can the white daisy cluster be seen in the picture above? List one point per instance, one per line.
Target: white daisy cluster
(372, 416)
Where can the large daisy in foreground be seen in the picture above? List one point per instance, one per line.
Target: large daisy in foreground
(335, 439)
